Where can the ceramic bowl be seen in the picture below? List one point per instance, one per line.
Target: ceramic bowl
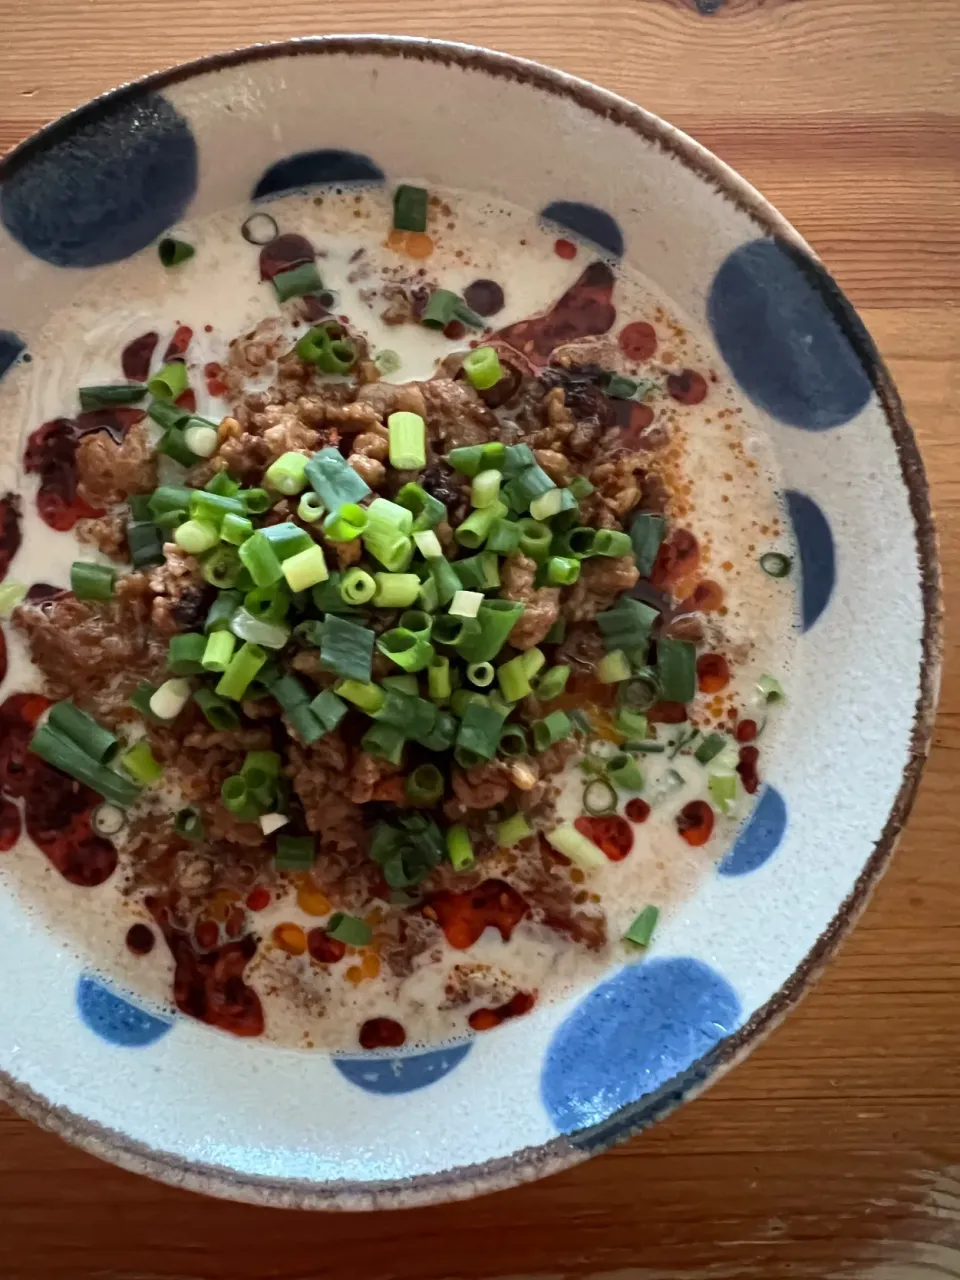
(171, 1098)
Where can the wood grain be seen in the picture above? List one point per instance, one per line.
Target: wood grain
(835, 1151)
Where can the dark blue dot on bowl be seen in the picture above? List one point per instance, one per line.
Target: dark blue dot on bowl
(11, 349)
(760, 837)
(115, 1019)
(103, 185)
(588, 222)
(317, 169)
(632, 1035)
(791, 339)
(401, 1073)
(818, 560)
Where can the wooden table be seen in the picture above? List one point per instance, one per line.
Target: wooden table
(835, 1151)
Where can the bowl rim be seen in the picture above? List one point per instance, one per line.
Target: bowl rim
(466, 1181)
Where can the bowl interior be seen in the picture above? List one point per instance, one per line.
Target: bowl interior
(98, 188)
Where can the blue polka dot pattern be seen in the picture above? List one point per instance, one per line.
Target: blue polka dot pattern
(588, 222)
(114, 1019)
(316, 168)
(791, 339)
(631, 1036)
(11, 347)
(401, 1074)
(102, 188)
(760, 837)
(818, 561)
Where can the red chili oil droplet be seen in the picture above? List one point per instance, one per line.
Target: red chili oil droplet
(565, 249)
(633, 418)
(516, 1007)
(667, 713)
(713, 673)
(678, 557)
(51, 453)
(208, 328)
(136, 356)
(207, 934)
(258, 899)
(178, 344)
(638, 341)
(484, 296)
(187, 400)
(209, 985)
(9, 531)
(585, 310)
(284, 253)
(235, 921)
(637, 810)
(213, 372)
(382, 1033)
(19, 716)
(140, 939)
(706, 597)
(612, 835)
(695, 822)
(464, 916)
(324, 948)
(746, 731)
(454, 330)
(747, 769)
(687, 386)
(9, 825)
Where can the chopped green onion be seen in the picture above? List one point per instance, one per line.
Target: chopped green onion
(496, 619)
(328, 709)
(428, 544)
(296, 853)
(236, 798)
(140, 701)
(310, 509)
(445, 579)
(613, 667)
(535, 539)
(272, 635)
(218, 651)
(188, 824)
(66, 756)
(287, 539)
(533, 660)
(410, 208)
(11, 594)
(504, 536)
(483, 368)
(406, 649)
(357, 586)
(599, 798)
(472, 532)
(385, 741)
(478, 573)
(417, 621)
(467, 315)
(513, 680)
(347, 648)
(628, 625)
(630, 723)
(347, 524)
(623, 772)
(219, 713)
(723, 789)
(533, 482)
(408, 441)
(349, 929)
(256, 502)
(641, 692)
(172, 252)
(770, 689)
(368, 697)
(222, 610)
(287, 689)
(424, 786)
(185, 654)
(676, 669)
(620, 387)
(261, 560)
(440, 309)
(223, 484)
(646, 535)
(583, 853)
(306, 568)
(387, 361)
(173, 444)
(470, 459)
(552, 683)
(235, 529)
(551, 729)
(480, 673)
(243, 667)
(297, 282)
(450, 630)
(395, 590)
(609, 542)
(459, 847)
(91, 581)
(92, 398)
(479, 732)
(169, 382)
(438, 679)
(334, 480)
(441, 737)
(200, 437)
(170, 698)
(580, 487)
(485, 489)
(196, 536)
(466, 604)
(512, 830)
(288, 474)
(513, 741)
(641, 931)
(562, 571)
(142, 765)
(427, 511)
(91, 738)
(171, 417)
(710, 747)
(169, 498)
(551, 503)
